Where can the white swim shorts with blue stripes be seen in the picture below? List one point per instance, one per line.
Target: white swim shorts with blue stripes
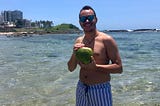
(93, 95)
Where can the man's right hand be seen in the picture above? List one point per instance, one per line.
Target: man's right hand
(77, 46)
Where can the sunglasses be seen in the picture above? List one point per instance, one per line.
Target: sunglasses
(84, 18)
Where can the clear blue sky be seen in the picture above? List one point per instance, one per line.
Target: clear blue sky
(112, 14)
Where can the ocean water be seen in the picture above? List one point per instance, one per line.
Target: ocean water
(33, 70)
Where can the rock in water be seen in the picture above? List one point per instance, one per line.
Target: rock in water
(84, 54)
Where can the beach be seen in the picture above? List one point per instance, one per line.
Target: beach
(6, 33)
(16, 34)
(33, 70)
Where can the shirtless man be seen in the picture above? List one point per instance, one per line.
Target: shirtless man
(93, 88)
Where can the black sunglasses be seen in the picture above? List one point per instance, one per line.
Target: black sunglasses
(84, 18)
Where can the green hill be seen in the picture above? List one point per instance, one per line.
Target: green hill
(63, 28)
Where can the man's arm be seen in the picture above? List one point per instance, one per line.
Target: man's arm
(114, 57)
(72, 63)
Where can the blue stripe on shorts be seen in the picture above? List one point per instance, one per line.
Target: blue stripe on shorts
(93, 95)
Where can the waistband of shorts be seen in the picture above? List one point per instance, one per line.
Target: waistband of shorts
(99, 85)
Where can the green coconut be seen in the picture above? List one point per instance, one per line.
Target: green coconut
(84, 54)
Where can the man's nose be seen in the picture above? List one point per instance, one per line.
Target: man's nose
(87, 20)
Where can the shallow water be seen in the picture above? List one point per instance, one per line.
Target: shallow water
(33, 70)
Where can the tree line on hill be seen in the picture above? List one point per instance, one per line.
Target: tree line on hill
(42, 27)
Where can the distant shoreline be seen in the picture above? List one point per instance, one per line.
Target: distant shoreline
(134, 30)
(16, 34)
(59, 29)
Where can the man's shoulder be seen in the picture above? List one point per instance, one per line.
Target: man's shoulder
(105, 36)
(79, 39)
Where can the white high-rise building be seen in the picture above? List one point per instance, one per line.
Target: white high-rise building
(17, 15)
(1, 19)
(12, 16)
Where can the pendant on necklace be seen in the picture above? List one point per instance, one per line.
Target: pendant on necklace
(88, 42)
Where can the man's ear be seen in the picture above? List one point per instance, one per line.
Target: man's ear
(96, 19)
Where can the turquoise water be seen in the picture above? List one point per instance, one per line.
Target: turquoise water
(33, 70)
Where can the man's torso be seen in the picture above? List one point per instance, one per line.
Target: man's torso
(100, 55)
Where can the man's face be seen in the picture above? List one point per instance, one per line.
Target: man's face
(87, 20)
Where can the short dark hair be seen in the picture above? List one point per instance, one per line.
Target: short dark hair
(87, 8)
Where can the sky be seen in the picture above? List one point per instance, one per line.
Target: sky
(111, 14)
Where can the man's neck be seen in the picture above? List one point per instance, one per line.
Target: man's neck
(91, 34)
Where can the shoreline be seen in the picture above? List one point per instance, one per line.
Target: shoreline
(23, 33)
(6, 33)
(15, 34)
(18, 34)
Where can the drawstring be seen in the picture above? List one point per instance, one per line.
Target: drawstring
(86, 93)
(86, 89)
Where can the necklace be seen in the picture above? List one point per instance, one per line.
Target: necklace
(89, 41)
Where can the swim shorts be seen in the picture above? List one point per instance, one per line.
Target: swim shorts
(93, 95)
